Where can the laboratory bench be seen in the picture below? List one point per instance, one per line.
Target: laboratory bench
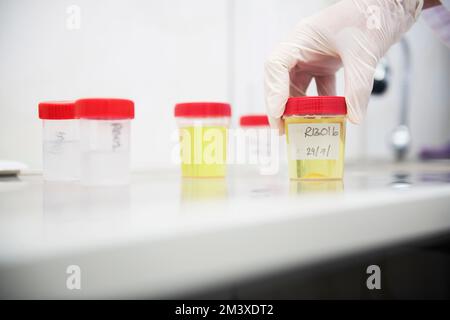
(247, 236)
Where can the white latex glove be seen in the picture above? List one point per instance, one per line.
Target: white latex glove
(354, 34)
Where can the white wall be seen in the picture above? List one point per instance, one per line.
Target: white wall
(161, 52)
(154, 52)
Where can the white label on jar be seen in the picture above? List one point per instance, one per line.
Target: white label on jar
(314, 141)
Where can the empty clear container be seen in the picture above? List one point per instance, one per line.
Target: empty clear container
(105, 140)
(258, 142)
(61, 141)
(203, 138)
(315, 135)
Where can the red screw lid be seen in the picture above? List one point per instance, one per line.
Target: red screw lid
(202, 110)
(315, 105)
(254, 120)
(104, 108)
(57, 110)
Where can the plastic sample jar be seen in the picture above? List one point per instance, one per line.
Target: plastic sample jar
(315, 135)
(203, 138)
(257, 134)
(61, 141)
(105, 140)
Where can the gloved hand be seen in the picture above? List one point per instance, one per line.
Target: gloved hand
(354, 34)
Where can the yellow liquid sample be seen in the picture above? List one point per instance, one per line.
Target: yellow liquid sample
(312, 169)
(203, 151)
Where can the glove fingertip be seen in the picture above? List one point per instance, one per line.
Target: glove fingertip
(355, 112)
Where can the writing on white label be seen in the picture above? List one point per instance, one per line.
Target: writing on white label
(314, 141)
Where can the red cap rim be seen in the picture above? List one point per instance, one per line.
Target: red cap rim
(254, 120)
(57, 110)
(104, 108)
(202, 109)
(320, 105)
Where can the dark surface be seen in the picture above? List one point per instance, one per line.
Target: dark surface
(416, 270)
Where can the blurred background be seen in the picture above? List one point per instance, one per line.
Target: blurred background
(162, 52)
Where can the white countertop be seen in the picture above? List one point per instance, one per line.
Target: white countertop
(163, 235)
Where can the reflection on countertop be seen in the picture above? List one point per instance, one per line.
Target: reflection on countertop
(216, 229)
(160, 196)
(161, 192)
